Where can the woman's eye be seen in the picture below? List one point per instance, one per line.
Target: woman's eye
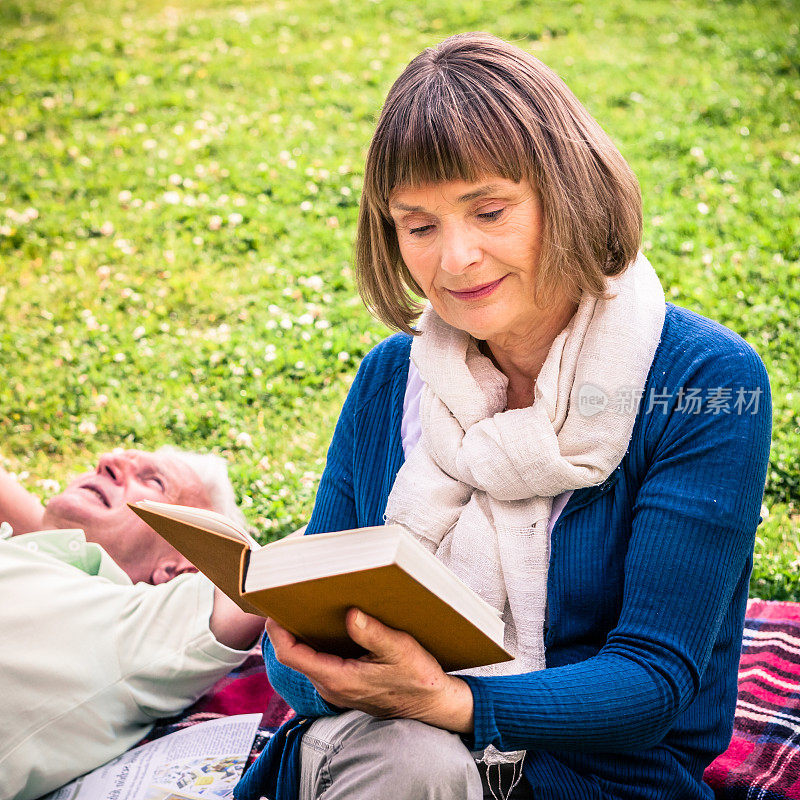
(420, 230)
(491, 215)
(156, 481)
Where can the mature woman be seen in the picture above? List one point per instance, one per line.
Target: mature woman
(587, 457)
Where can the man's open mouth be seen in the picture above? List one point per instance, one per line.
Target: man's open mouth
(99, 492)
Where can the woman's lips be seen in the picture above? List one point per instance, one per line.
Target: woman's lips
(477, 292)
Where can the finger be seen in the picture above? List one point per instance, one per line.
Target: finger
(383, 642)
(278, 635)
(300, 656)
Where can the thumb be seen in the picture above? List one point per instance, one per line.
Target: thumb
(371, 634)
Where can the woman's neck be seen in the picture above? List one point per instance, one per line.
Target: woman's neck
(520, 356)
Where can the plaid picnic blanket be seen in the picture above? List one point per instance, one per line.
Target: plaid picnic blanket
(762, 762)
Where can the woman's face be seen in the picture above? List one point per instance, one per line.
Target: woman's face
(473, 249)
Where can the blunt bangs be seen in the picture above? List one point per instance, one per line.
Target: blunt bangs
(446, 130)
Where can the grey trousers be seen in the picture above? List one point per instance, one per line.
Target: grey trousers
(356, 756)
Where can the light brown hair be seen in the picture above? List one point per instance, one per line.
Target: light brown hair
(476, 106)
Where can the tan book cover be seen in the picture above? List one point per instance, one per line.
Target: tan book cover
(314, 609)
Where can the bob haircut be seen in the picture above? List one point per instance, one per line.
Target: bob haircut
(474, 107)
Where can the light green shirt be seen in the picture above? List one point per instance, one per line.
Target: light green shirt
(89, 660)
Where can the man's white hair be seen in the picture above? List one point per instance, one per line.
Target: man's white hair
(213, 473)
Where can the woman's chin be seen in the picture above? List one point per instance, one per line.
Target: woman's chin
(480, 323)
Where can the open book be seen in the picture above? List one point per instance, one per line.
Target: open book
(307, 584)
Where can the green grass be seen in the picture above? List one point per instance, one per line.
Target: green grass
(178, 194)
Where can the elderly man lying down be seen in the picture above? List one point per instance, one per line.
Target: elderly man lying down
(103, 625)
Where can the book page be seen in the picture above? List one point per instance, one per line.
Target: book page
(201, 762)
(201, 518)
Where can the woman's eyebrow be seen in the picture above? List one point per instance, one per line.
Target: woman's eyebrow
(490, 188)
(405, 206)
(482, 191)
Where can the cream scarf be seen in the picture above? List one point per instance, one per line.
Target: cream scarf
(478, 489)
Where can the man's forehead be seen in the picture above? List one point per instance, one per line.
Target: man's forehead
(162, 462)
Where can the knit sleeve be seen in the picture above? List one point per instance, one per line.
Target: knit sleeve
(689, 553)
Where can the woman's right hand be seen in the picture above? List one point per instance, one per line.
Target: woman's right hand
(397, 678)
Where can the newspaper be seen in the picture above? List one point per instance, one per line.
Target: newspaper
(201, 762)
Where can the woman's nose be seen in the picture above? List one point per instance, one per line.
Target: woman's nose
(460, 251)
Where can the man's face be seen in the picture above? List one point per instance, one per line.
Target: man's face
(97, 503)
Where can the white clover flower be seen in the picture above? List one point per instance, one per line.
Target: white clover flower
(343, 355)
(215, 222)
(101, 401)
(305, 319)
(119, 357)
(322, 324)
(173, 198)
(124, 197)
(87, 428)
(107, 228)
(703, 208)
(139, 332)
(315, 283)
(244, 439)
(235, 219)
(306, 205)
(49, 486)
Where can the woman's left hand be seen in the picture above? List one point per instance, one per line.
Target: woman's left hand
(396, 678)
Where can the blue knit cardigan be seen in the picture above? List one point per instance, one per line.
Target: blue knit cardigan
(647, 583)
